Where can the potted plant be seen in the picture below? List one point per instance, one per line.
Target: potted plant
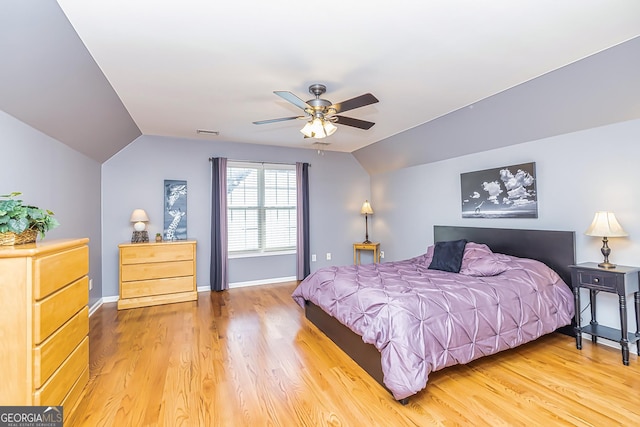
(158, 237)
(20, 223)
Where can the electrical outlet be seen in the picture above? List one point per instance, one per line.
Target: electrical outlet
(328, 256)
(381, 254)
(313, 257)
(90, 284)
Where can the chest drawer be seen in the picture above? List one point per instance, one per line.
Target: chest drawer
(597, 280)
(156, 270)
(53, 311)
(143, 288)
(156, 253)
(56, 271)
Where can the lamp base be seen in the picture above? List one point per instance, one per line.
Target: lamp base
(606, 265)
(140, 237)
(367, 241)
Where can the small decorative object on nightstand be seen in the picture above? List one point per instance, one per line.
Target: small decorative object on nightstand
(620, 280)
(371, 246)
(140, 235)
(605, 225)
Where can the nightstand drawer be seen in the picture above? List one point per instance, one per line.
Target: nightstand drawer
(600, 280)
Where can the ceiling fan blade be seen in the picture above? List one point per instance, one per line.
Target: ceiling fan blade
(356, 123)
(357, 102)
(262, 122)
(292, 99)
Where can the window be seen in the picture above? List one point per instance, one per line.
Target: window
(261, 203)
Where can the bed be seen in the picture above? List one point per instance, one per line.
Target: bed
(399, 349)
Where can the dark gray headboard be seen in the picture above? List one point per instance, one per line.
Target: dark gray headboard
(557, 249)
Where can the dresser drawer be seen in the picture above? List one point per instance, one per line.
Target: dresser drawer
(56, 271)
(53, 311)
(157, 270)
(53, 392)
(156, 253)
(48, 356)
(142, 288)
(597, 280)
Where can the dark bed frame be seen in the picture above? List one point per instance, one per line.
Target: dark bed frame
(554, 248)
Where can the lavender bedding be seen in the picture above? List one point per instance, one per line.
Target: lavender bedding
(422, 320)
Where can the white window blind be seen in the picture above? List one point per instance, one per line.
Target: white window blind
(261, 203)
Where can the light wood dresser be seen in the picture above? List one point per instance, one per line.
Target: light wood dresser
(44, 323)
(157, 273)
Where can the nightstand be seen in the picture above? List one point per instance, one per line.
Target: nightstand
(622, 280)
(357, 247)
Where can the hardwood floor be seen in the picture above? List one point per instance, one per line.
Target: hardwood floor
(248, 357)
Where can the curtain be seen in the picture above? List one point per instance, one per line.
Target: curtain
(219, 257)
(303, 252)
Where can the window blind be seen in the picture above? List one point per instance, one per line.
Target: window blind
(261, 203)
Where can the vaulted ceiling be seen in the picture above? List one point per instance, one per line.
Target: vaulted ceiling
(96, 74)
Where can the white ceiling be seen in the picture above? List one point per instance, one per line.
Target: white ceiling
(202, 64)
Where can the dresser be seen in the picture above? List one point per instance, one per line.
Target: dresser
(157, 273)
(44, 323)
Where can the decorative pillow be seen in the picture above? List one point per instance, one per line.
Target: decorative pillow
(483, 267)
(478, 260)
(447, 256)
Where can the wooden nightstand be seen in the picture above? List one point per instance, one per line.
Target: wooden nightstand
(622, 280)
(357, 247)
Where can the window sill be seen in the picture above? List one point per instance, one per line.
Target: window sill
(260, 254)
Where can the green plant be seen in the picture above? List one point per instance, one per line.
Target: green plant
(18, 217)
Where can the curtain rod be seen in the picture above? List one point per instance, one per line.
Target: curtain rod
(261, 163)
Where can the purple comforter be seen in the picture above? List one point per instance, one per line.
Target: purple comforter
(423, 320)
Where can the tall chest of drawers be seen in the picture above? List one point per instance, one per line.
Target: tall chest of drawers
(44, 323)
(157, 273)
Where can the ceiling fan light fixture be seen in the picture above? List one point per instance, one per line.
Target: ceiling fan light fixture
(306, 130)
(329, 128)
(317, 128)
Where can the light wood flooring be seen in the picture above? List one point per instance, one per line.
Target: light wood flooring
(248, 357)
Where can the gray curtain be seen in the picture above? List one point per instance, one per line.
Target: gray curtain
(303, 252)
(219, 256)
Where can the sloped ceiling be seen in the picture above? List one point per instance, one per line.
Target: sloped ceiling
(49, 80)
(97, 74)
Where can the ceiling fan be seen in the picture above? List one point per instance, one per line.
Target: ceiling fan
(321, 114)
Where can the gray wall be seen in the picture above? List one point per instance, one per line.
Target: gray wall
(577, 174)
(53, 176)
(134, 178)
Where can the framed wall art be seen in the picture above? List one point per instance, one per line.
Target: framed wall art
(175, 210)
(505, 192)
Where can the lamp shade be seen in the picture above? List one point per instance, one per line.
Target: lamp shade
(318, 128)
(605, 224)
(366, 208)
(329, 128)
(139, 215)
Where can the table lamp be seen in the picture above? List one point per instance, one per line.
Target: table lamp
(366, 210)
(605, 225)
(140, 235)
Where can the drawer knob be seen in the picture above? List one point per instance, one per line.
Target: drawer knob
(596, 280)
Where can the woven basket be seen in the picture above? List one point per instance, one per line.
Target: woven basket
(10, 238)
